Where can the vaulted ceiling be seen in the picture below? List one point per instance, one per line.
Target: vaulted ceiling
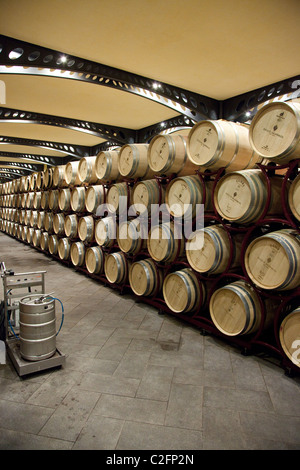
(79, 76)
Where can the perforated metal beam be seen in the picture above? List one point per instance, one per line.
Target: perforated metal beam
(118, 134)
(33, 162)
(72, 151)
(20, 57)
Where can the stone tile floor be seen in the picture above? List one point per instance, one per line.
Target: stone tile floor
(137, 380)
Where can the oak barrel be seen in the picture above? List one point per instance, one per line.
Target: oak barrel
(106, 231)
(59, 224)
(133, 161)
(235, 309)
(53, 199)
(86, 228)
(107, 165)
(48, 222)
(145, 194)
(165, 242)
(116, 267)
(59, 180)
(41, 219)
(294, 197)
(221, 144)
(185, 192)
(45, 200)
(183, 292)
(71, 225)
(71, 173)
(115, 193)
(77, 253)
(167, 155)
(64, 199)
(94, 197)
(36, 237)
(272, 261)
(145, 278)
(94, 260)
(44, 241)
(87, 170)
(78, 199)
(289, 336)
(132, 236)
(241, 196)
(64, 246)
(208, 250)
(37, 200)
(275, 131)
(53, 244)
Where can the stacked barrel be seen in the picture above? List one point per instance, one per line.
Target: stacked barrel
(204, 226)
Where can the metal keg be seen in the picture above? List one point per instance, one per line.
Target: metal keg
(37, 327)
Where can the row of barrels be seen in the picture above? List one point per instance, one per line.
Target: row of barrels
(236, 308)
(240, 197)
(273, 135)
(271, 259)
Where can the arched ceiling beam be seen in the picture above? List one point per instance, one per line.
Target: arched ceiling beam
(20, 57)
(118, 134)
(72, 151)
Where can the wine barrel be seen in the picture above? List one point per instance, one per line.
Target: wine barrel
(48, 222)
(294, 197)
(208, 250)
(167, 155)
(45, 200)
(289, 336)
(107, 165)
(133, 161)
(145, 278)
(241, 196)
(64, 246)
(165, 242)
(26, 185)
(33, 219)
(53, 244)
(48, 178)
(40, 180)
(53, 199)
(33, 178)
(59, 224)
(272, 260)
(94, 260)
(221, 144)
(86, 228)
(64, 199)
(87, 170)
(30, 233)
(145, 194)
(41, 219)
(29, 200)
(36, 237)
(114, 193)
(184, 193)
(44, 241)
(116, 268)
(235, 309)
(132, 236)
(59, 180)
(37, 200)
(77, 253)
(78, 199)
(27, 217)
(106, 231)
(183, 292)
(275, 131)
(71, 173)
(24, 233)
(71, 226)
(95, 196)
